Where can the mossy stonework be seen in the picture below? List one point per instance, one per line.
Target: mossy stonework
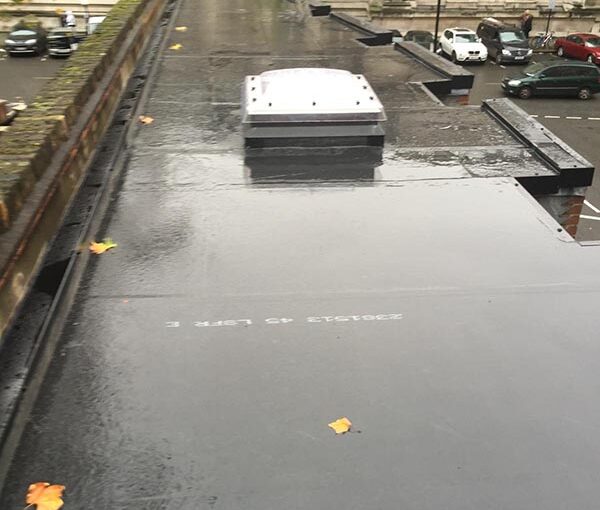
(46, 150)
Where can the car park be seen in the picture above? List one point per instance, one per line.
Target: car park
(462, 45)
(579, 46)
(27, 40)
(504, 42)
(575, 79)
(421, 37)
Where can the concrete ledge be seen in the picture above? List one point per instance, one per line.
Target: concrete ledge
(46, 151)
(376, 35)
(572, 169)
(459, 79)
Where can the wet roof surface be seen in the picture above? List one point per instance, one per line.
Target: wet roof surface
(445, 315)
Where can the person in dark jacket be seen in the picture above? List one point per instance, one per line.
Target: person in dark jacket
(526, 23)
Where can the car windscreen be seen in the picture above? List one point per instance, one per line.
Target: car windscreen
(534, 69)
(593, 42)
(23, 33)
(465, 38)
(515, 36)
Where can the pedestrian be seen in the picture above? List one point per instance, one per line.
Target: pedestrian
(70, 19)
(526, 23)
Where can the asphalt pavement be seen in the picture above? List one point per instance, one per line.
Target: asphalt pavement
(22, 77)
(576, 122)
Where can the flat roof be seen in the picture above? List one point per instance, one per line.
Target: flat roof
(429, 298)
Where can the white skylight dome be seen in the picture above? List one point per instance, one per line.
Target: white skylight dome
(309, 95)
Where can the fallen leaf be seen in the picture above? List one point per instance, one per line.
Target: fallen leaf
(45, 496)
(181, 29)
(341, 426)
(105, 245)
(145, 119)
(176, 46)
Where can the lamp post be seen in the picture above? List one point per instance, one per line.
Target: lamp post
(437, 25)
(551, 7)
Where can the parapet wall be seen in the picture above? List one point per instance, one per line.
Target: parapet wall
(47, 149)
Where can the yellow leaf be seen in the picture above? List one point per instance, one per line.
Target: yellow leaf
(176, 46)
(105, 245)
(181, 29)
(45, 496)
(341, 426)
(144, 119)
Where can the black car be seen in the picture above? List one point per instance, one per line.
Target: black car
(24, 39)
(577, 79)
(505, 43)
(62, 41)
(421, 37)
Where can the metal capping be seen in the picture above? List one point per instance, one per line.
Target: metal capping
(573, 169)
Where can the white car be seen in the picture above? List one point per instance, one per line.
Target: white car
(463, 45)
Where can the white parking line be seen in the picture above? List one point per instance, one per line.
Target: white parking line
(573, 118)
(534, 116)
(592, 207)
(585, 216)
(593, 118)
(551, 116)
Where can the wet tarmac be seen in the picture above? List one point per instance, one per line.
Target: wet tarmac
(22, 77)
(420, 292)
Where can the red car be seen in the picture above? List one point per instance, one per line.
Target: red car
(580, 46)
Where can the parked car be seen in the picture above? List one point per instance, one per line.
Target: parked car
(505, 43)
(580, 46)
(396, 36)
(63, 41)
(555, 79)
(421, 37)
(462, 45)
(26, 39)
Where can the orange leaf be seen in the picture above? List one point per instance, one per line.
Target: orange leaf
(144, 119)
(105, 245)
(45, 496)
(341, 426)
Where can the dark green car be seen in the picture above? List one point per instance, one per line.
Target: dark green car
(577, 79)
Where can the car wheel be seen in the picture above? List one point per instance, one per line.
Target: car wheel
(560, 51)
(525, 93)
(584, 93)
(453, 57)
(590, 59)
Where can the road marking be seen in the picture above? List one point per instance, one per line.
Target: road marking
(492, 83)
(569, 118)
(592, 207)
(42, 77)
(597, 218)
